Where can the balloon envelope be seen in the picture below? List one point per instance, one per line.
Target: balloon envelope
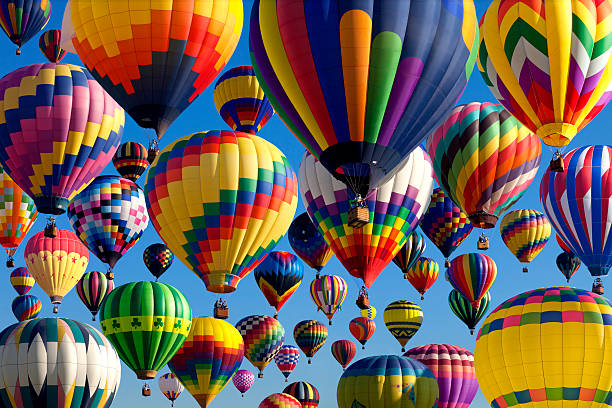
(525, 233)
(280, 400)
(310, 335)
(23, 19)
(463, 309)
(93, 288)
(22, 280)
(472, 275)
(49, 44)
(263, 337)
(26, 307)
(568, 264)
(286, 359)
(170, 386)
(423, 274)
(328, 292)
(18, 212)
(362, 328)
(130, 160)
(411, 251)
(343, 351)
(243, 380)
(403, 319)
(157, 258)
(308, 243)
(278, 276)
(306, 393)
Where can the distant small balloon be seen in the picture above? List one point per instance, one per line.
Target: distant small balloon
(26, 307)
(49, 44)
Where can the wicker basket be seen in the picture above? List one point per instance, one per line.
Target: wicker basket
(557, 165)
(358, 217)
(221, 313)
(483, 244)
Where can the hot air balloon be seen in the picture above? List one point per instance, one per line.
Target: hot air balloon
(210, 356)
(22, 280)
(484, 160)
(243, 380)
(423, 274)
(93, 288)
(109, 216)
(76, 135)
(362, 112)
(395, 209)
(57, 362)
(553, 367)
(568, 264)
(286, 359)
(280, 400)
(445, 224)
(582, 189)
(472, 275)
(306, 393)
(157, 258)
(263, 337)
(328, 293)
(23, 19)
(57, 263)
(453, 368)
(411, 251)
(241, 101)
(387, 381)
(463, 309)
(525, 233)
(403, 319)
(370, 312)
(343, 351)
(250, 193)
(278, 276)
(147, 322)
(49, 44)
(26, 307)
(555, 79)
(130, 160)
(362, 328)
(17, 215)
(181, 47)
(308, 243)
(171, 387)
(310, 335)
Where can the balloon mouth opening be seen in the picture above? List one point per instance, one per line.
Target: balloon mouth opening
(482, 219)
(56, 300)
(51, 205)
(145, 374)
(221, 282)
(557, 134)
(221, 288)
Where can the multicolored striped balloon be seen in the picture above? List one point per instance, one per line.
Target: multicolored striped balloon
(395, 210)
(280, 400)
(310, 335)
(23, 19)
(484, 160)
(472, 275)
(263, 337)
(93, 288)
(343, 351)
(26, 307)
(181, 47)
(147, 322)
(57, 362)
(109, 216)
(241, 101)
(403, 319)
(445, 224)
(278, 276)
(243, 381)
(576, 202)
(308, 243)
(170, 386)
(74, 144)
(22, 280)
(527, 345)
(423, 274)
(548, 63)
(210, 356)
(130, 160)
(525, 233)
(453, 367)
(248, 199)
(411, 251)
(387, 381)
(362, 84)
(286, 359)
(157, 258)
(305, 392)
(362, 329)
(463, 309)
(49, 44)
(328, 292)
(17, 213)
(568, 264)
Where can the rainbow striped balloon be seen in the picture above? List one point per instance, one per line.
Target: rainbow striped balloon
(548, 62)
(49, 44)
(241, 101)
(17, 214)
(525, 233)
(93, 288)
(26, 307)
(310, 335)
(484, 160)
(23, 19)
(22, 280)
(472, 275)
(263, 337)
(328, 293)
(423, 274)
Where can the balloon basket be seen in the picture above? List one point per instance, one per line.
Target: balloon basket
(146, 390)
(110, 275)
(446, 263)
(309, 361)
(10, 263)
(483, 242)
(56, 309)
(363, 302)
(358, 217)
(51, 228)
(286, 380)
(525, 270)
(221, 311)
(260, 375)
(153, 151)
(598, 287)
(556, 164)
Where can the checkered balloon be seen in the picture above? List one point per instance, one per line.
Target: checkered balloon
(263, 338)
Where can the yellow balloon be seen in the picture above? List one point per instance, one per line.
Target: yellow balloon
(57, 263)
(370, 312)
(403, 319)
(547, 348)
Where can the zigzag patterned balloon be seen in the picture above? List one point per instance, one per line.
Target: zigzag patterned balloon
(263, 337)
(525, 233)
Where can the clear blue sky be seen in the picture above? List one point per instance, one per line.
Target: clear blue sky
(439, 324)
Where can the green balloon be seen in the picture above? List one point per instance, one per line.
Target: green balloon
(468, 314)
(147, 322)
